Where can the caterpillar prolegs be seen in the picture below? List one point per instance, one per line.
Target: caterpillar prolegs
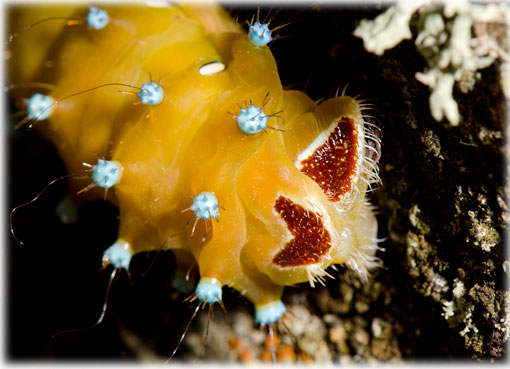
(177, 116)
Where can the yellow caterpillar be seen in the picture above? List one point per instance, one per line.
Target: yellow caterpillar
(204, 153)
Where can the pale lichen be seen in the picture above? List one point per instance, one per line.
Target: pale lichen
(389, 29)
(454, 307)
(482, 233)
(456, 39)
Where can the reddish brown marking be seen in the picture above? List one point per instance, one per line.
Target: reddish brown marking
(333, 165)
(311, 240)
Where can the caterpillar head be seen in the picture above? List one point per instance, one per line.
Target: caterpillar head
(309, 209)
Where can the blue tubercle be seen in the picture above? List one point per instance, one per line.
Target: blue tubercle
(259, 34)
(119, 254)
(205, 206)
(106, 173)
(252, 120)
(208, 290)
(151, 94)
(39, 106)
(97, 18)
(269, 313)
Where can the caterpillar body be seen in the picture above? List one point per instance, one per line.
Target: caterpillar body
(203, 151)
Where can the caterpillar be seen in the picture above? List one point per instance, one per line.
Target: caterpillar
(202, 150)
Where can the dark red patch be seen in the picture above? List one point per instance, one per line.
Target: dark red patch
(333, 165)
(311, 240)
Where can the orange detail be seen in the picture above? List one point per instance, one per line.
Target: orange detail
(311, 239)
(333, 165)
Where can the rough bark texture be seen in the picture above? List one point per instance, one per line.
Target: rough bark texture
(442, 211)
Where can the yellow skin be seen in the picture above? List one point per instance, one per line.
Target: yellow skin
(191, 143)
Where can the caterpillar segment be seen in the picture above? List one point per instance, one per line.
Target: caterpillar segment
(196, 170)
